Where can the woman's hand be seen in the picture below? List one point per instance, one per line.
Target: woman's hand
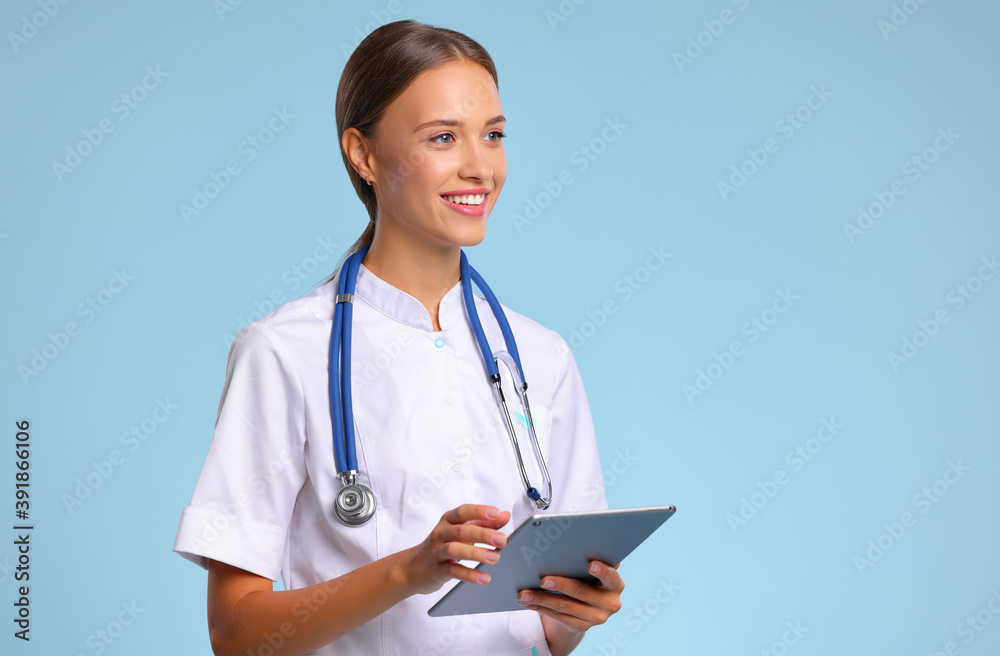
(580, 606)
(435, 560)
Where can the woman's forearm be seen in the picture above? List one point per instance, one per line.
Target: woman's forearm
(561, 640)
(295, 622)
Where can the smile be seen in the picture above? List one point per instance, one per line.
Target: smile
(471, 205)
(473, 199)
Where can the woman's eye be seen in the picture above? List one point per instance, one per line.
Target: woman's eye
(497, 135)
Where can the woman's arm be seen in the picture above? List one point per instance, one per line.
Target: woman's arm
(561, 640)
(245, 613)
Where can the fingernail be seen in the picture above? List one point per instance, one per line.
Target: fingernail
(491, 556)
(595, 568)
(525, 597)
(498, 539)
(548, 584)
(483, 577)
(492, 513)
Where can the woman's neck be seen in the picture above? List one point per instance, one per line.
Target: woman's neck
(426, 274)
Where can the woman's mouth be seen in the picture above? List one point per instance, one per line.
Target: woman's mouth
(467, 205)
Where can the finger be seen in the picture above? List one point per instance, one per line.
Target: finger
(576, 589)
(565, 606)
(493, 523)
(462, 551)
(471, 534)
(470, 511)
(608, 576)
(463, 573)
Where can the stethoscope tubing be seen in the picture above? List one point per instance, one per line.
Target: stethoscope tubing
(470, 305)
(341, 403)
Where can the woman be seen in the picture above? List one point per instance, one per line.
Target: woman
(420, 124)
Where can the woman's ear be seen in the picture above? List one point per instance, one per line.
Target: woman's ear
(359, 153)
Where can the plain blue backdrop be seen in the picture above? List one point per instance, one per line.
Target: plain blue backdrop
(810, 376)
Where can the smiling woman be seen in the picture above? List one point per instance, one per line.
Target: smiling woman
(421, 130)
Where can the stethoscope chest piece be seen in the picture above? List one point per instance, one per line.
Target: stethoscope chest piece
(355, 504)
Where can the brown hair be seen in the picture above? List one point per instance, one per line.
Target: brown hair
(378, 71)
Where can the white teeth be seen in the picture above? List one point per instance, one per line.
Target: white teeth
(476, 199)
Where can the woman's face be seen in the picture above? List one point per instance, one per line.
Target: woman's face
(441, 137)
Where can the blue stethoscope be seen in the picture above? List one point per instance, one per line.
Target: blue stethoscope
(355, 503)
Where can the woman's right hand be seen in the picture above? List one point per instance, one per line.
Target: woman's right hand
(435, 560)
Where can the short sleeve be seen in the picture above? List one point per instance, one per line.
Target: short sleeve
(576, 482)
(242, 504)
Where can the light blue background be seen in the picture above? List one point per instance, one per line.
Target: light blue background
(655, 185)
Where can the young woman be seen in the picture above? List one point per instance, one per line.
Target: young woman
(421, 129)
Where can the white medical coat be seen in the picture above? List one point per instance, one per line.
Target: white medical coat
(429, 438)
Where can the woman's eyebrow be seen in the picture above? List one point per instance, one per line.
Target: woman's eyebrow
(499, 118)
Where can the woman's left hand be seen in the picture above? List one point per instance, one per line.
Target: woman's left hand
(580, 606)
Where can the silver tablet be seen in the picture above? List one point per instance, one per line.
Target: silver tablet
(560, 544)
